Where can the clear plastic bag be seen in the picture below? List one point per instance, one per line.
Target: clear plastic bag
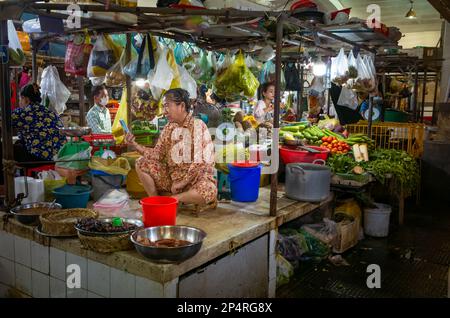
(187, 82)
(339, 68)
(268, 75)
(366, 80)
(348, 98)
(267, 53)
(54, 89)
(284, 270)
(163, 76)
(102, 58)
(115, 76)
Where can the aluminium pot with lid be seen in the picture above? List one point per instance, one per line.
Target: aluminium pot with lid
(308, 182)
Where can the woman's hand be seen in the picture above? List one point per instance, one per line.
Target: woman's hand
(269, 109)
(177, 187)
(130, 139)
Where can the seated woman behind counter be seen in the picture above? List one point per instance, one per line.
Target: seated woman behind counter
(37, 128)
(175, 165)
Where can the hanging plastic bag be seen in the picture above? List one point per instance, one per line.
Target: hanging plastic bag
(122, 114)
(204, 71)
(364, 81)
(237, 79)
(77, 56)
(348, 98)
(143, 103)
(187, 82)
(115, 76)
(180, 52)
(103, 56)
(339, 68)
(15, 51)
(268, 75)
(140, 66)
(53, 89)
(292, 77)
(267, 53)
(163, 74)
(174, 69)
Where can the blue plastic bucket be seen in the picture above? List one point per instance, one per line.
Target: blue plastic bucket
(244, 183)
(73, 196)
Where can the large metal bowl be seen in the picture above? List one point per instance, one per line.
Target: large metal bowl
(169, 255)
(75, 131)
(32, 219)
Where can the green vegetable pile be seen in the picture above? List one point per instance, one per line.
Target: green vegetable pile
(399, 164)
(383, 163)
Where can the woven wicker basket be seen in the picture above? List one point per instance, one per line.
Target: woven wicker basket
(106, 244)
(63, 222)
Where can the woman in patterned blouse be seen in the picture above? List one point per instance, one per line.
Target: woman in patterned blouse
(37, 128)
(182, 162)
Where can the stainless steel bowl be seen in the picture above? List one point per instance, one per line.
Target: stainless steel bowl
(169, 254)
(138, 223)
(32, 219)
(75, 131)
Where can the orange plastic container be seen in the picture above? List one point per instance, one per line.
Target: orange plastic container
(159, 211)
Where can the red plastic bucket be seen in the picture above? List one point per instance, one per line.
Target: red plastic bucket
(297, 156)
(159, 211)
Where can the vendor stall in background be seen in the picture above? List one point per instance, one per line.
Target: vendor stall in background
(313, 138)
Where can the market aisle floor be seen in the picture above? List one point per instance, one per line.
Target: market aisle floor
(414, 262)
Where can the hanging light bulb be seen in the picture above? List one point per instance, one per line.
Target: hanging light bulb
(411, 13)
(140, 82)
(319, 68)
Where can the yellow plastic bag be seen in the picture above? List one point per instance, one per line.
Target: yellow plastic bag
(349, 207)
(111, 166)
(122, 113)
(50, 185)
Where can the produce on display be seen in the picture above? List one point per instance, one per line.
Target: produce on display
(143, 105)
(336, 147)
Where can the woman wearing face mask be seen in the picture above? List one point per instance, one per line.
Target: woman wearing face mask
(98, 118)
(37, 128)
(182, 161)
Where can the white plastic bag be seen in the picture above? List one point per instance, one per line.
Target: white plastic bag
(348, 98)
(53, 88)
(163, 73)
(339, 68)
(102, 58)
(267, 53)
(187, 82)
(13, 38)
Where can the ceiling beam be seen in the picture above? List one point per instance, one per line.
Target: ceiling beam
(443, 7)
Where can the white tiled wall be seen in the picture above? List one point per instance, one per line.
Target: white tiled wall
(82, 262)
(57, 288)
(123, 284)
(40, 271)
(57, 263)
(40, 258)
(40, 284)
(22, 251)
(23, 279)
(7, 245)
(7, 275)
(99, 278)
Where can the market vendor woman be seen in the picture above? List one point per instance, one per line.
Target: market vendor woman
(264, 108)
(182, 162)
(37, 128)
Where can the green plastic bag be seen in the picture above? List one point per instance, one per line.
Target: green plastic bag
(237, 80)
(74, 161)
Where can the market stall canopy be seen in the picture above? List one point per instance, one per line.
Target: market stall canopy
(209, 29)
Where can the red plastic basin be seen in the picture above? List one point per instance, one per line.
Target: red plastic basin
(295, 156)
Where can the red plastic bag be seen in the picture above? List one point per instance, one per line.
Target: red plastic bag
(77, 58)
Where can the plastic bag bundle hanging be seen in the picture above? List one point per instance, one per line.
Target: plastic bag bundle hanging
(140, 66)
(339, 68)
(77, 56)
(103, 56)
(237, 79)
(53, 90)
(268, 75)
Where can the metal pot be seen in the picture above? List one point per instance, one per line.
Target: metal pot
(308, 182)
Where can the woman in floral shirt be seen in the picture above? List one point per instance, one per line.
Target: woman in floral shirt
(37, 128)
(182, 162)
